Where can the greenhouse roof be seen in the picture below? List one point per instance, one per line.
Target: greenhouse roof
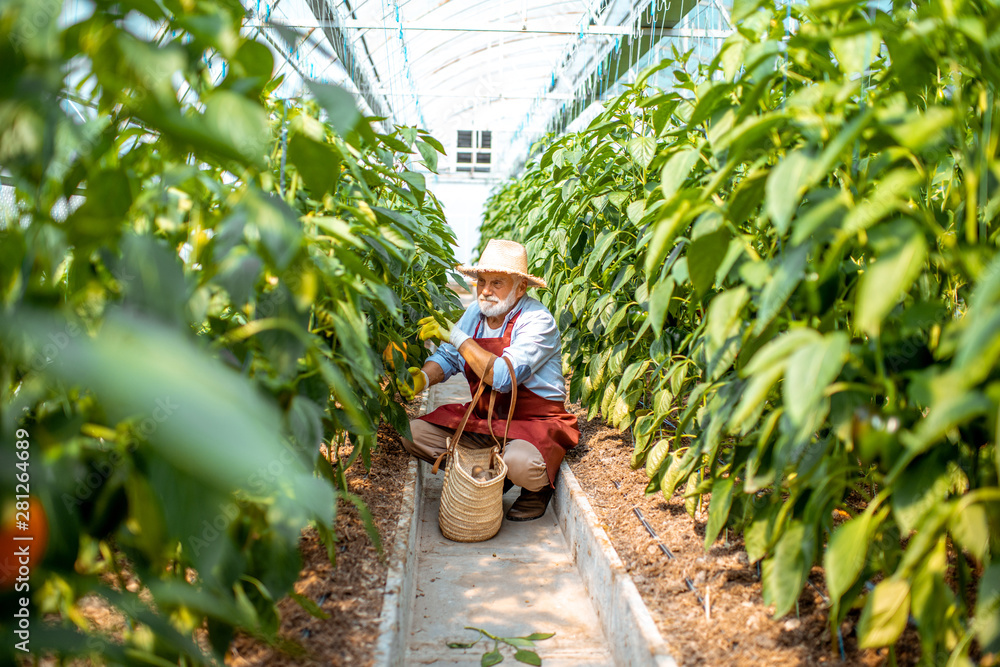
(485, 77)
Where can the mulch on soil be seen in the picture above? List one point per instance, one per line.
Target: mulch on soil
(735, 627)
(351, 591)
(731, 625)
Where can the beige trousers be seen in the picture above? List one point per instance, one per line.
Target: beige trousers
(525, 465)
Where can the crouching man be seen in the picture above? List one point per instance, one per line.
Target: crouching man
(502, 322)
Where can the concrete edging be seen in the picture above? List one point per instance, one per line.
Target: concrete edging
(625, 620)
(396, 618)
(394, 621)
(397, 610)
(632, 635)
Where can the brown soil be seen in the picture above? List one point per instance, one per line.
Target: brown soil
(351, 591)
(730, 625)
(733, 628)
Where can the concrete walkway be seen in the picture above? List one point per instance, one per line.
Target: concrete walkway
(522, 581)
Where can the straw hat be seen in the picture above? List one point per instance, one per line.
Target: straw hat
(503, 257)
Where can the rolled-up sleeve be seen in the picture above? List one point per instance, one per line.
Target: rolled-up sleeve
(448, 358)
(534, 341)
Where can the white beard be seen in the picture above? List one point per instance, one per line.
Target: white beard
(494, 307)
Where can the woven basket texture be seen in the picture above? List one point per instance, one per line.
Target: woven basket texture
(471, 510)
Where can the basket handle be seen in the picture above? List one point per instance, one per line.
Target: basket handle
(510, 410)
(500, 446)
(452, 442)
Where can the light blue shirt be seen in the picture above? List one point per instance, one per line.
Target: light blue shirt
(535, 349)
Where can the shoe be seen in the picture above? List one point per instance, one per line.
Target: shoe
(530, 505)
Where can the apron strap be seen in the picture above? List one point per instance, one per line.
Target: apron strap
(452, 442)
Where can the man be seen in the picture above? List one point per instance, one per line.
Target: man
(504, 322)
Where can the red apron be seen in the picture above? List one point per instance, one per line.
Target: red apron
(543, 423)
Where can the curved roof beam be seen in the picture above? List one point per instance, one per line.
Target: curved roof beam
(364, 77)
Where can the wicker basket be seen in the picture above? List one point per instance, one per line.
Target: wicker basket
(471, 509)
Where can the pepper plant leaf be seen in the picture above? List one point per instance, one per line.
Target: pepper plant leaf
(884, 615)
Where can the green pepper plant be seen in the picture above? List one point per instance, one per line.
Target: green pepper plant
(781, 275)
(198, 281)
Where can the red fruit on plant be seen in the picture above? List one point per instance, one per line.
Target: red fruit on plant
(24, 536)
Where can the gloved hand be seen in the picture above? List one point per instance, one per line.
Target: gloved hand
(419, 379)
(432, 328)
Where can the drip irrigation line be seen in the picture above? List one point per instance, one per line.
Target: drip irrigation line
(690, 584)
(821, 593)
(306, 633)
(840, 635)
(663, 547)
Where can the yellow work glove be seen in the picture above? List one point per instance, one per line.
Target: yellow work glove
(431, 328)
(419, 379)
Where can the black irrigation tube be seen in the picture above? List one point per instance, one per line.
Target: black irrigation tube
(319, 603)
(840, 635)
(690, 584)
(663, 547)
